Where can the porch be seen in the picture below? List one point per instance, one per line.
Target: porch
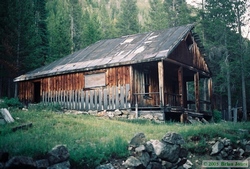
(172, 108)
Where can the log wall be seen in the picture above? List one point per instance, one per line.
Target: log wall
(74, 81)
(191, 57)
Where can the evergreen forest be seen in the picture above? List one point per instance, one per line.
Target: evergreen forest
(34, 33)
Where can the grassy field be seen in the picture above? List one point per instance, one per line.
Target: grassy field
(94, 140)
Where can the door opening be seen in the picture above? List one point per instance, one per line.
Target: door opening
(37, 93)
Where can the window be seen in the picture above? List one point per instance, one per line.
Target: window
(95, 80)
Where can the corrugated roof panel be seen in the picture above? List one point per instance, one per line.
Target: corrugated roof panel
(124, 50)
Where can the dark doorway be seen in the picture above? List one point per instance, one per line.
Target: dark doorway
(37, 94)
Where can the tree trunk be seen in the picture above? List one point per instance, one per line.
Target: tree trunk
(228, 89)
(244, 104)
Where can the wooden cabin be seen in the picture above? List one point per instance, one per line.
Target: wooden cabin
(162, 71)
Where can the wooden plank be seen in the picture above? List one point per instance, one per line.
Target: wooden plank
(105, 99)
(79, 99)
(161, 82)
(82, 100)
(91, 100)
(43, 97)
(117, 99)
(87, 101)
(210, 91)
(23, 126)
(100, 107)
(128, 96)
(122, 97)
(70, 99)
(109, 97)
(131, 82)
(6, 115)
(95, 99)
(197, 92)
(180, 83)
(113, 97)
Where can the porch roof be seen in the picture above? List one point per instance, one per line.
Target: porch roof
(126, 50)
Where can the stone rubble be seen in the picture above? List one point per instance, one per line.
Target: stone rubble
(223, 149)
(157, 154)
(57, 158)
(169, 153)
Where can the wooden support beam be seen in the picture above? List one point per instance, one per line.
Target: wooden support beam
(181, 85)
(210, 91)
(131, 83)
(197, 92)
(161, 81)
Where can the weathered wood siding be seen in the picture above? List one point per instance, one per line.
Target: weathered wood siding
(139, 85)
(189, 55)
(115, 76)
(26, 91)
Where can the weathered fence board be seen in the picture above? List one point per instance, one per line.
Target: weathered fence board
(109, 98)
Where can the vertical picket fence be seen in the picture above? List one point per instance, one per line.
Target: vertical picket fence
(109, 98)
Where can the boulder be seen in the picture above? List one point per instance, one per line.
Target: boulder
(62, 165)
(106, 166)
(167, 164)
(137, 140)
(173, 138)
(117, 112)
(144, 158)
(217, 147)
(226, 142)
(58, 154)
(188, 164)
(247, 149)
(42, 164)
(183, 153)
(20, 162)
(132, 162)
(166, 151)
(155, 165)
(149, 147)
(140, 148)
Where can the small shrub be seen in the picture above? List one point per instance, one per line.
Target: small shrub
(42, 106)
(12, 102)
(198, 147)
(217, 116)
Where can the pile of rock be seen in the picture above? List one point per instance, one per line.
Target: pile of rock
(126, 114)
(224, 150)
(58, 157)
(158, 154)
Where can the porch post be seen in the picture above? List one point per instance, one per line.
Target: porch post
(161, 82)
(210, 92)
(197, 92)
(181, 86)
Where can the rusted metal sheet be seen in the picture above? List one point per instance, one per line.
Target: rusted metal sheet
(126, 50)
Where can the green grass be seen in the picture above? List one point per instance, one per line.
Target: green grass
(94, 140)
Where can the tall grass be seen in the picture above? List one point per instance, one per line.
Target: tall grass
(94, 140)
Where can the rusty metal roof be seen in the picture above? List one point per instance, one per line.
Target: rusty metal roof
(125, 50)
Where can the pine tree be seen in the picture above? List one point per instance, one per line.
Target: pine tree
(158, 17)
(177, 12)
(76, 25)
(37, 36)
(220, 32)
(91, 29)
(128, 22)
(59, 23)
